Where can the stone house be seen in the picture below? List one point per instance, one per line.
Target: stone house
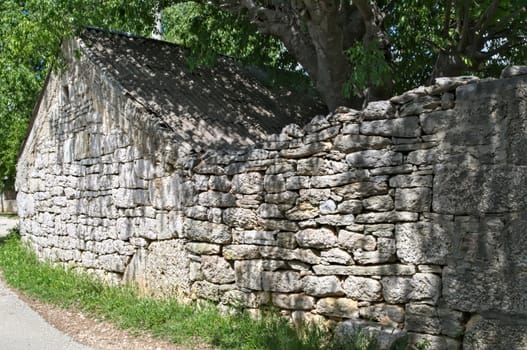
(402, 218)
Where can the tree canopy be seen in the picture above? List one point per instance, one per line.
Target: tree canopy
(351, 50)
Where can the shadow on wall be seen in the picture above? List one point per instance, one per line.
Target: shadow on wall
(483, 183)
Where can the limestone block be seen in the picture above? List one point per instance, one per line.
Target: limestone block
(386, 217)
(374, 158)
(338, 307)
(302, 255)
(314, 196)
(378, 270)
(219, 183)
(322, 286)
(397, 127)
(335, 255)
(286, 197)
(240, 218)
(411, 181)
(248, 274)
(216, 199)
(328, 207)
(386, 336)
(385, 252)
(197, 212)
(324, 181)
(256, 237)
(352, 241)
(320, 166)
(362, 189)
(437, 121)
(279, 225)
(424, 242)
(208, 291)
(293, 301)
(243, 299)
(384, 313)
(353, 143)
(425, 287)
(280, 167)
(362, 288)
(216, 269)
(274, 183)
(351, 128)
(487, 334)
(378, 110)
(413, 199)
(269, 211)
(206, 231)
(281, 281)
(322, 238)
(419, 105)
(200, 248)
(379, 230)
(396, 290)
(306, 150)
(302, 211)
(378, 203)
(297, 182)
(352, 206)
(248, 201)
(241, 252)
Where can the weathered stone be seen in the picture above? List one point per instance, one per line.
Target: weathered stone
(322, 286)
(241, 252)
(512, 71)
(320, 166)
(378, 203)
(362, 189)
(427, 319)
(302, 211)
(413, 199)
(396, 290)
(249, 183)
(362, 288)
(286, 240)
(353, 143)
(304, 255)
(281, 281)
(374, 158)
(487, 334)
(424, 242)
(411, 181)
(426, 287)
(386, 217)
(351, 128)
(378, 110)
(239, 298)
(419, 105)
(248, 274)
(216, 269)
(328, 207)
(206, 231)
(293, 301)
(203, 248)
(338, 307)
(398, 127)
(281, 225)
(436, 121)
(385, 252)
(354, 241)
(336, 220)
(269, 211)
(254, 237)
(384, 313)
(386, 336)
(297, 182)
(216, 199)
(286, 197)
(379, 230)
(379, 270)
(306, 150)
(322, 238)
(338, 179)
(434, 341)
(240, 218)
(335, 255)
(352, 206)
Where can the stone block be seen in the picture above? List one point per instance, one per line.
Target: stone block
(239, 298)
(203, 248)
(378, 203)
(324, 181)
(386, 217)
(281, 281)
(269, 211)
(216, 199)
(413, 199)
(356, 241)
(216, 269)
(362, 288)
(248, 274)
(378, 270)
(359, 190)
(317, 166)
(498, 333)
(293, 301)
(352, 206)
(322, 286)
(424, 242)
(338, 307)
(206, 231)
(353, 143)
(385, 252)
(248, 183)
(437, 121)
(255, 237)
(241, 252)
(391, 315)
(397, 127)
(411, 181)
(386, 336)
(426, 288)
(321, 238)
(378, 110)
(336, 256)
(435, 342)
(240, 218)
(379, 230)
(302, 255)
(306, 150)
(374, 158)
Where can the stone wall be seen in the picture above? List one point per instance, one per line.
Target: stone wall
(405, 217)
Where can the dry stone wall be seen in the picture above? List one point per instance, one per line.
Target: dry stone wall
(405, 217)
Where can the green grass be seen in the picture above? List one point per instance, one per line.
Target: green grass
(163, 318)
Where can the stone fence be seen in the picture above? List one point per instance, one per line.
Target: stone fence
(406, 217)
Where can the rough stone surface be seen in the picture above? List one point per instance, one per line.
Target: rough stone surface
(362, 288)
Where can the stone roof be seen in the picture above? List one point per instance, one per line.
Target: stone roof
(225, 102)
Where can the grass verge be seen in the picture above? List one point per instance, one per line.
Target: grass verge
(163, 318)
